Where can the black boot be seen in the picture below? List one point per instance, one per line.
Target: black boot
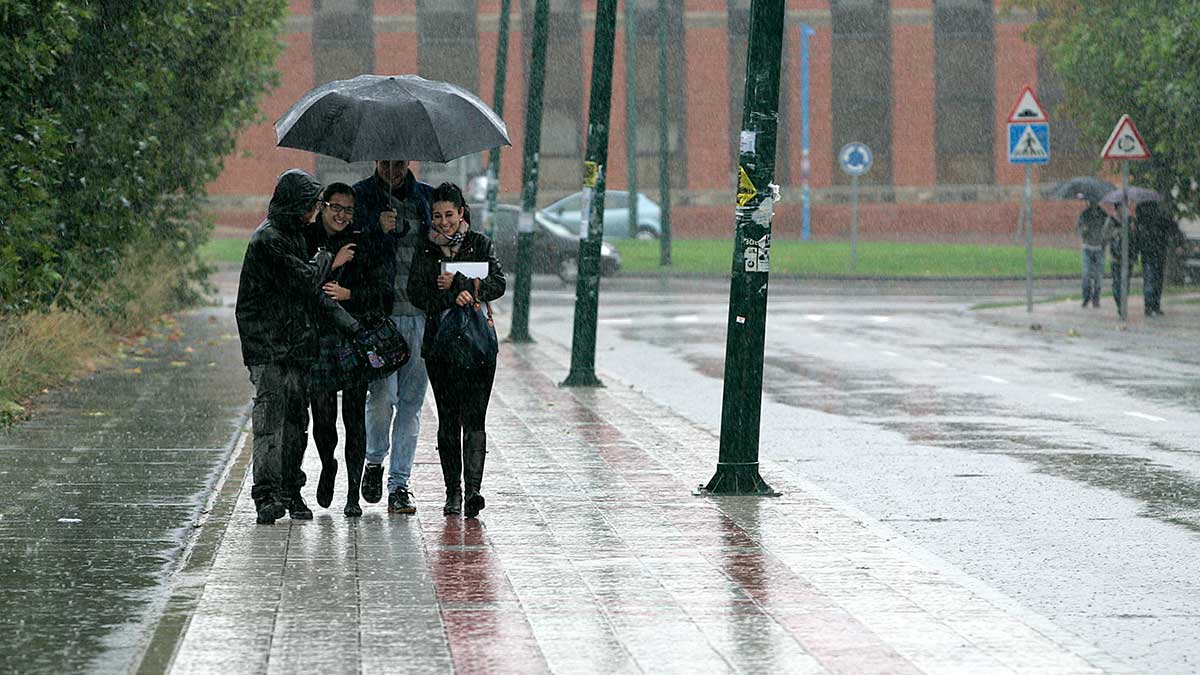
(451, 457)
(474, 454)
(325, 482)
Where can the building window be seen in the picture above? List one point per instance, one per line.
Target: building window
(965, 91)
(1070, 155)
(343, 45)
(862, 73)
(649, 93)
(448, 50)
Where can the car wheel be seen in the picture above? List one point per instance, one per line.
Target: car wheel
(568, 270)
(646, 234)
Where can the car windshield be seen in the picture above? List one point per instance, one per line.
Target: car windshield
(557, 229)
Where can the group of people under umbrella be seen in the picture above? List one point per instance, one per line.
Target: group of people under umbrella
(328, 262)
(1152, 237)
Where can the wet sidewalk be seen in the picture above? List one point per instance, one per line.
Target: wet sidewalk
(592, 556)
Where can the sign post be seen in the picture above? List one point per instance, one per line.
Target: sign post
(855, 159)
(1028, 144)
(1123, 145)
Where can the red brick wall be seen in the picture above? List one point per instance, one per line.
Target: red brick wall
(913, 136)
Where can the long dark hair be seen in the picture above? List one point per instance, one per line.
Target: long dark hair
(449, 192)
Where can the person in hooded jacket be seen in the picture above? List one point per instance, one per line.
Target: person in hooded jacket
(279, 296)
(461, 395)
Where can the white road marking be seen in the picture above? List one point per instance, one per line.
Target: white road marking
(887, 353)
(687, 318)
(993, 378)
(935, 364)
(624, 320)
(881, 319)
(815, 317)
(1073, 399)
(1144, 416)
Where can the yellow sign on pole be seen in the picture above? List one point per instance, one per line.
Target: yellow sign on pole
(591, 171)
(745, 190)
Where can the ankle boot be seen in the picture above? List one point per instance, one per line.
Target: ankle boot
(474, 454)
(451, 460)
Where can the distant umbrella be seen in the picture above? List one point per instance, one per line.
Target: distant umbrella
(1136, 194)
(391, 117)
(1086, 188)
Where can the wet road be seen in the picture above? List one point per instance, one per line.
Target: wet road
(1057, 465)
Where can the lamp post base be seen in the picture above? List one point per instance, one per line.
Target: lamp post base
(736, 480)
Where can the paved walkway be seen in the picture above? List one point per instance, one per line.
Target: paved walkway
(592, 556)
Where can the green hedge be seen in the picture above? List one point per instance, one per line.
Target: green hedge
(115, 116)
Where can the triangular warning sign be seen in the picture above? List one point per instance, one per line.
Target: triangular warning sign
(1028, 146)
(1028, 108)
(1125, 142)
(746, 190)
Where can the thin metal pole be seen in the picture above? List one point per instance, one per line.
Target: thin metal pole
(493, 172)
(529, 174)
(631, 137)
(1029, 238)
(853, 223)
(1124, 303)
(805, 162)
(587, 286)
(664, 149)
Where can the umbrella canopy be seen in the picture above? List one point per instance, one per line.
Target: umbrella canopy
(390, 117)
(1136, 194)
(1087, 188)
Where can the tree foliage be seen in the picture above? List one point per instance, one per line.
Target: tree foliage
(1140, 57)
(115, 116)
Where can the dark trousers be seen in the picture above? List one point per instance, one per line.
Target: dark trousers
(462, 400)
(1115, 267)
(324, 414)
(1152, 283)
(280, 423)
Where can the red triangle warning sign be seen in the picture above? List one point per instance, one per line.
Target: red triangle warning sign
(1125, 142)
(1028, 108)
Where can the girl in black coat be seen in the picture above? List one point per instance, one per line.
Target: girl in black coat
(461, 395)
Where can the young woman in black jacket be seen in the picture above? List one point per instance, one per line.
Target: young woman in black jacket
(461, 395)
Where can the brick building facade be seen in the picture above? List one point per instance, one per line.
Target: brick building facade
(926, 83)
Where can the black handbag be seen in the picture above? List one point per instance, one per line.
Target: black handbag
(466, 336)
(378, 350)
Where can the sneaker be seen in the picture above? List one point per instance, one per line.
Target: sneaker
(400, 501)
(372, 483)
(269, 511)
(352, 510)
(297, 509)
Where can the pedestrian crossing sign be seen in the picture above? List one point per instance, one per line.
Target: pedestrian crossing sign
(1029, 143)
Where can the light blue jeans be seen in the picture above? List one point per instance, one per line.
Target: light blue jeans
(394, 408)
(1093, 272)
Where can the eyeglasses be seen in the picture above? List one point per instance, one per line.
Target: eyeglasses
(338, 208)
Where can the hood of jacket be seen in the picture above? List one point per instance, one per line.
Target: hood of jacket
(295, 193)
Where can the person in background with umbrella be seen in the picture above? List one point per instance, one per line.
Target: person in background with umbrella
(1156, 235)
(1114, 251)
(461, 395)
(1092, 228)
(278, 294)
(392, 208)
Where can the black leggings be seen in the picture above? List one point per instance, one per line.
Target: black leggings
(462, 401)
(324, 429)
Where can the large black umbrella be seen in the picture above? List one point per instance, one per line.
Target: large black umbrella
(391, 117)
(1087, 188)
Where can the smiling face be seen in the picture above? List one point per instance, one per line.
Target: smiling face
(337, 213)
(446, 217)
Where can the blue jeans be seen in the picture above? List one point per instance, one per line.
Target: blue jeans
(394, 408)
(1093, 272)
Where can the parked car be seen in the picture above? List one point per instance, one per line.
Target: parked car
(1191, 250)
(555, 249)
(568, 212)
